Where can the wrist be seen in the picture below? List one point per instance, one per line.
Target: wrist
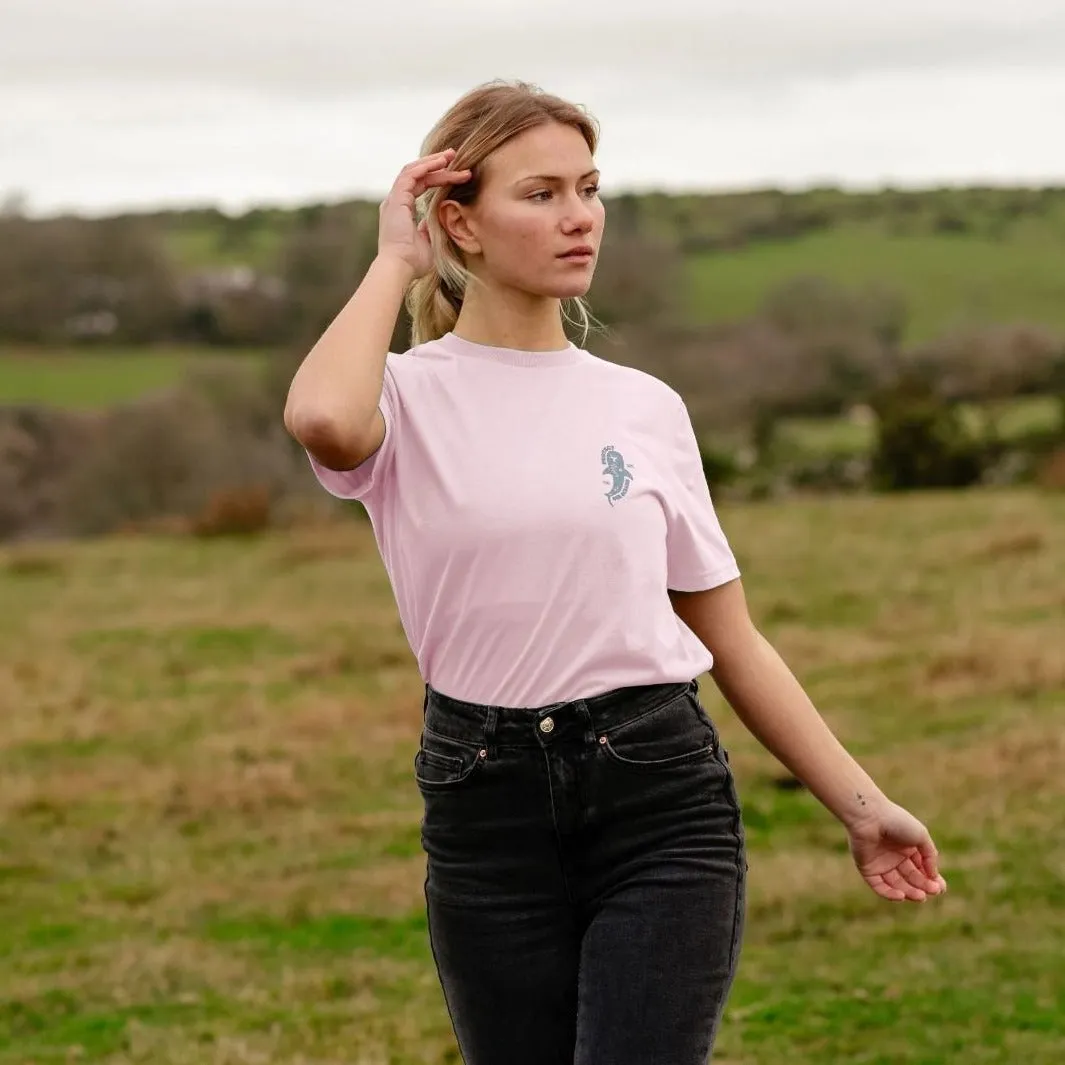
(865, 807)
(395, 266)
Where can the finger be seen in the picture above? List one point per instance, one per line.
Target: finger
(914, 873)
(431, 159)
(429, 162)
(911, 872)
(929, 858)
(409, 177)
(416, 184)
(446, 177)
(886, 890)
(900, 883)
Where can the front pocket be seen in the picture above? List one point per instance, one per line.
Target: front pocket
(669, 736)
(442, 761)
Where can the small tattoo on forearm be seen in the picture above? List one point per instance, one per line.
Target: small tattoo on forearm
(860, 799)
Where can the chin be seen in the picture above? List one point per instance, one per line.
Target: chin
(565, 289)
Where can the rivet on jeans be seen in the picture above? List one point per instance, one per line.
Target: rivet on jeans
(602, 739)
(482, 753)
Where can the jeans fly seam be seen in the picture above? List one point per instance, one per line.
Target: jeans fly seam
(554, 825)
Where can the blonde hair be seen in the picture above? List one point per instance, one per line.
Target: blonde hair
(481, 121)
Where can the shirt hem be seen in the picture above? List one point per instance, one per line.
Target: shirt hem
(705, 581)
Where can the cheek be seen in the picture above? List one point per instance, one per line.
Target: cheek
(514, 236)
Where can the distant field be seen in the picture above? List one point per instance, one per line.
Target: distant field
(88, 379)
(841, 436)
(946, 280)
(208, 246)
(211, 854)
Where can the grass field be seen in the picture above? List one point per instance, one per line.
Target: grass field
(85, 379)
(947, 281)
(211, 852)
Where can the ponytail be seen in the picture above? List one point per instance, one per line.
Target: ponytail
(433, 308)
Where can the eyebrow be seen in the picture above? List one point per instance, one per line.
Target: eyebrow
(553, 178)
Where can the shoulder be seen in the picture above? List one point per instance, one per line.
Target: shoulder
(640, 385)
(417, 361)
(405, 369)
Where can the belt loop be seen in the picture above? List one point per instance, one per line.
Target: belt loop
(589, 724)
(490, 717)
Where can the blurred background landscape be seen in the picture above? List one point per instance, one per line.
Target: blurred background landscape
(841, 236)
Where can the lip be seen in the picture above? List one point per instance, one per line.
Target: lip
(581, 254)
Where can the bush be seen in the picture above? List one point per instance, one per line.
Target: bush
(826, 473)
(1051, 472)
(922, 441)
(719, 466)
(992, 362)
(639, 277)
(235, 512)
(213, 453)
(38, 446)
(813, 306)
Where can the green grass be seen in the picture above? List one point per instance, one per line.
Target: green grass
(79, 378)
(207, 247)
(211, 831)
(947, 281)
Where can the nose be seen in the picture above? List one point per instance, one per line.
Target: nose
(580, 218)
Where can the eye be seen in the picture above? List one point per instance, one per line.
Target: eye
(544, 194)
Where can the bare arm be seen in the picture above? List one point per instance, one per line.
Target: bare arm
(333, 399)
(773, 705)
(892, 849)
(332, 406)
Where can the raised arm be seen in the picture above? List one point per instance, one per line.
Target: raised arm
(333, 401)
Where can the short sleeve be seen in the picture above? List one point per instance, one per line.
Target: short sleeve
(698, 554)
(368, 476)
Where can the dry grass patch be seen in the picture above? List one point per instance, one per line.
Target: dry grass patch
(1009, 775)
(993, 660)
(1008, 544)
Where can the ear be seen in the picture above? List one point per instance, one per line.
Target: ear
(455, 222)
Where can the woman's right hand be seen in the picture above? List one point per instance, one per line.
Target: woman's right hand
(398, 234)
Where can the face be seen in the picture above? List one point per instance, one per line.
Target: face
(538, 200)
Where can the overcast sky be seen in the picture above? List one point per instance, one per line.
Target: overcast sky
(108, 104)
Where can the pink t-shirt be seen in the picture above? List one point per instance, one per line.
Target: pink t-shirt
(531, 510)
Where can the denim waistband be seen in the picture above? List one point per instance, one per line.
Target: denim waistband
(516, 726)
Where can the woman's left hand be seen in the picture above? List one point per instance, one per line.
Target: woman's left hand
(896, 856)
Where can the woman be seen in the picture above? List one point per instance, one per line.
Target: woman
(562, 578)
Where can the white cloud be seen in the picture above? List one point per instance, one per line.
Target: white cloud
(143, 101)
(327, 48)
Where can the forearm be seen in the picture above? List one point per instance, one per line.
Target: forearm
(773, 706)
(337, 387)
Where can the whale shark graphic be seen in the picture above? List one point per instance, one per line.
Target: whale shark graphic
(620, 474)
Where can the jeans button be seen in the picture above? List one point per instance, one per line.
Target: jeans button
(547, 725)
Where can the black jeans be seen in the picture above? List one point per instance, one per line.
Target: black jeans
(585, 877)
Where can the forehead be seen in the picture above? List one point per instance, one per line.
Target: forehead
(548, 149)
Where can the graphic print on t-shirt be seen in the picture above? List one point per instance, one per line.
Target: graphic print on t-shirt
(620, 474)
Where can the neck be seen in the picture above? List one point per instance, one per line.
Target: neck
(507, 318)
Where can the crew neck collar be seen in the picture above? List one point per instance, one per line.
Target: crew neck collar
(566, 356)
